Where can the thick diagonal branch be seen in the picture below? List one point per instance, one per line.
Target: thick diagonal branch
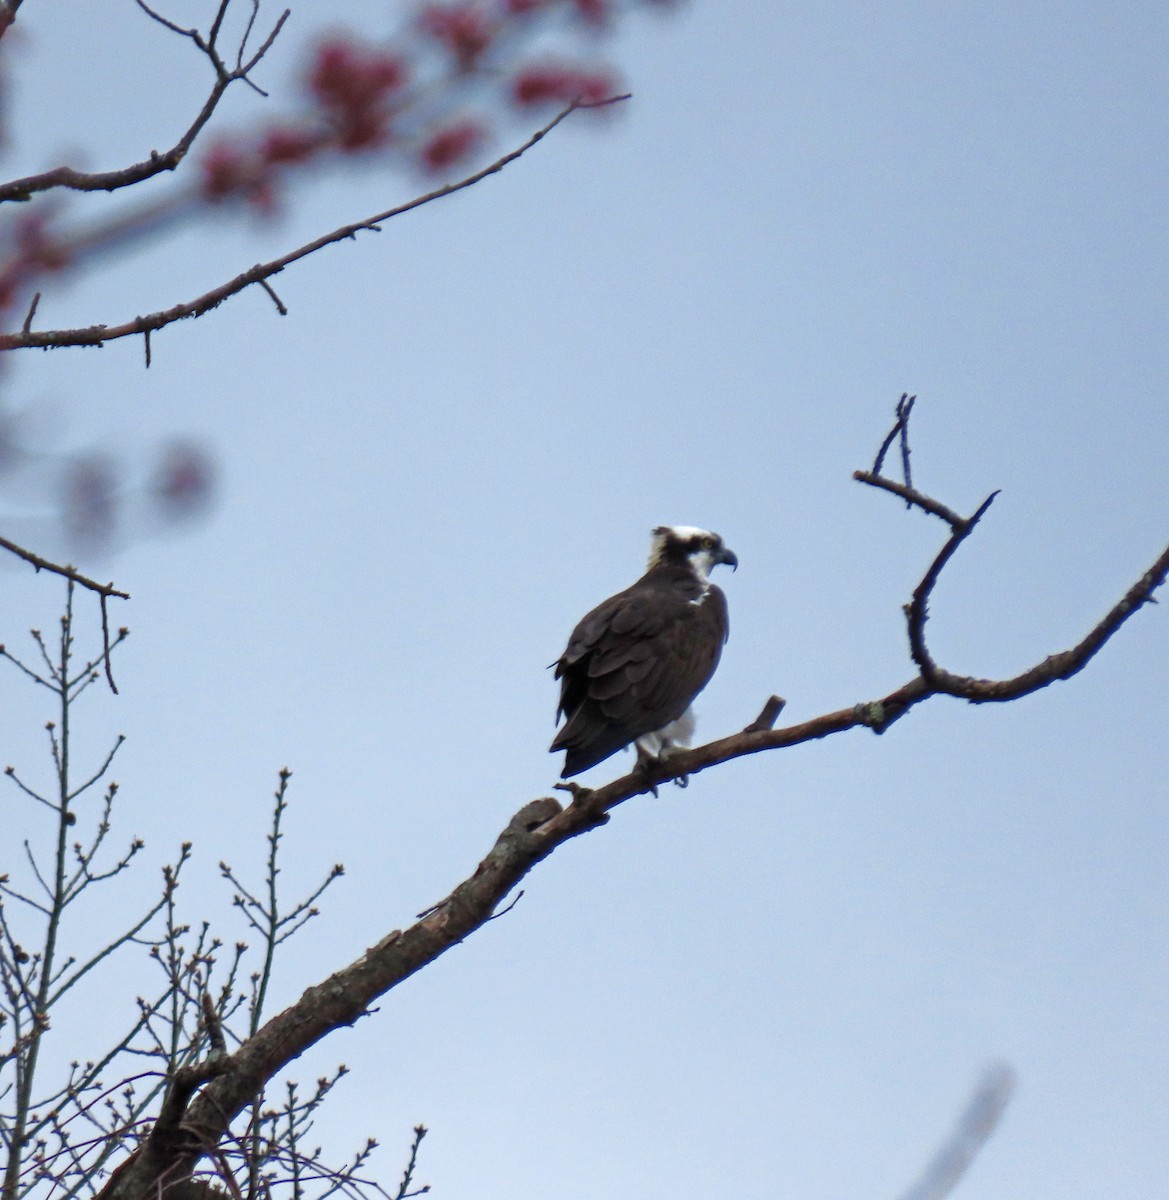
(171, 1151)
(537, 830)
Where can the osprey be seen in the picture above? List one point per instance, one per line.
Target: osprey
(634, 664)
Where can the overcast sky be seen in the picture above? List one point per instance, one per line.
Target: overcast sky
(786, 980)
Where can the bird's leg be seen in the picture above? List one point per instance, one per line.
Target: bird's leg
(646, 763)
(668, 750)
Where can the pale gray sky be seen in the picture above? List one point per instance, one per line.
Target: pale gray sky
(785, 980)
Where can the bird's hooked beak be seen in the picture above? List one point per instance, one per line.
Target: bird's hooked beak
(728, 557)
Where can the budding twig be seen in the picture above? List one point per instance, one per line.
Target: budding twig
(43, 564)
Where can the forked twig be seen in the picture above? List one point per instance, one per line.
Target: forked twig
(156, 162)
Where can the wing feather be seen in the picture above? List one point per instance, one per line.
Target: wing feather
(633, 665)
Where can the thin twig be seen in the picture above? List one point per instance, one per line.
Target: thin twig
(32, 312)
(900, 426)
(408, 1175)
(119, 742)
(28, 791)
(504, 911)
(105, 641)
(247, 34)
(157, 162)
(217, 24)
(129, 935)
(904, 408)
(265, 46)
(917, 611)
(98, 335)
(43, 564)
(275, 299)
(912, 497)
(193, 34)
(20, 666)
(768, 715)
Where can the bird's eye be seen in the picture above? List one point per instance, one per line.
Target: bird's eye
(709, 543)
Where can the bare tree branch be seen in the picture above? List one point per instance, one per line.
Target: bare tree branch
(531, 836)
(156, 163)
(192, 1125)
(105, 641)
(98, 335)
(979, 691)
(32, 312)
(900, 429)
(905, 489)
(912, 497)
(917, 612)
(43, 564)
(404, 1191)
(768, 715)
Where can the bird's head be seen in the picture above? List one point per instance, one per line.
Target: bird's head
(684, 545)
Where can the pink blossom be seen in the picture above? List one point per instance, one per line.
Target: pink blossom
(184, 481)
(353, 84)
(450, 145)
(35, 246)
(227, 170)
(286, 144)
(464, 29)
(596, 12)
(563, 85)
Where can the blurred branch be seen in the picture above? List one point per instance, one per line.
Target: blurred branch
(97, 335)
(168, 160)
(8, 9)
(977, 1122)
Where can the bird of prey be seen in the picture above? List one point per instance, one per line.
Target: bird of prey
(635, 663)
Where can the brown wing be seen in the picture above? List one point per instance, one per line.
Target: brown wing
(634, 664)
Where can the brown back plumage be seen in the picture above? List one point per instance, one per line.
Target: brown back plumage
(635, 663)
